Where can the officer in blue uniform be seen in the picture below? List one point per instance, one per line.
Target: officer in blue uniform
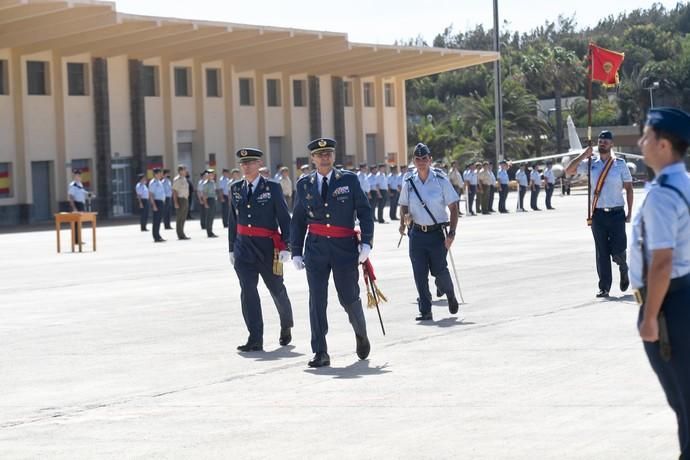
(608, 214)
(142, 192)
(157, 199)
(428, 243)
(660, 261)
(549, 183)
(326, 204)
(257, 210)
(76, 194)
(503, 180)
(168, 206)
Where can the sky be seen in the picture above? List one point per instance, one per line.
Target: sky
(385, 21)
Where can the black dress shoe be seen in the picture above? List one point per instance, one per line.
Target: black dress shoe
(159, 240)
(285, 336)
(551, 209)
(250, 347)
(425, 317)
(439, 293)
(321, 359)
(453, 306)
(185, 238)
(625, 281)
(144, 229)
(363, 347)
(169, 228)
(213, 235)
(602, 293)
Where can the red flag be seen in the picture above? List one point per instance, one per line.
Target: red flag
(605, 64)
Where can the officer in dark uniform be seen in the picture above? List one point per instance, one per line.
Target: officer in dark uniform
(660, 261)
(326, 204)
(428, 244)
(77, 194)
(257, 210)
(608, 214)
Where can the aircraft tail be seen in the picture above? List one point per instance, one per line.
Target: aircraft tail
(573, 138)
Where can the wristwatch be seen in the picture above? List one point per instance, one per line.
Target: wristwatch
(451, 233)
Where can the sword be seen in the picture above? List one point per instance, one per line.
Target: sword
(455, 271)
(376, 301)
(406, 219)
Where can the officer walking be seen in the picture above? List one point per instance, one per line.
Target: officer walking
(523, 182)
(610, 176)
(327, 203)
(425, 196)
(549, 183)
(660, 261)
(257, 210)
(535, 186)
(142, 192)
(503, 184)
(157, 200)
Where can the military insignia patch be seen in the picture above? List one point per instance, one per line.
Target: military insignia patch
(243, 153)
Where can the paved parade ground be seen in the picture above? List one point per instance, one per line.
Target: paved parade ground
(129, 352)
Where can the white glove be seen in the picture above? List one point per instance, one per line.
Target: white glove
(298, 263)
(364, 250)
(284, 256)
(232, 259)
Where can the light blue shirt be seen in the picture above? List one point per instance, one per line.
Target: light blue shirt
(521, 178)
(667, 224)
(493, 177)
(549, 176)
(382, 181)
(224, 184)
(611, 195)
(142, 191)
(157, 190)
(503, 177)
(167, 186)
(437, 193)
(373, 181)
(535, 177)
(77, 191)
(364, 182)
(471, 177)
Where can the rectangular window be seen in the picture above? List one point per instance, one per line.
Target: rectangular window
(213, 83)
(347, 93)
(298, 93)
(76, 79)
(368, 94)
(389, 95)
(5, 180)
(246, 91)
(182, 82)
(4, 76)
(37, 77)
(150, 80)
(273, 92)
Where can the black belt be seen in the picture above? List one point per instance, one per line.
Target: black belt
(675, 285)
(429, 228)
(617, 208)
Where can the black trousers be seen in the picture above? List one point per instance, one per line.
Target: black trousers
(393, 196)
(203, 213)
(157, 217)
(226, 210)
(471, 194)
(144, 213)
(522, 193)
(167, 212)
(533, 198)
(674, 375)
(492, 192)
(381, 204)
(610, 242)
(210, 214)
(502, 197)
(548, 188)
(80, 208)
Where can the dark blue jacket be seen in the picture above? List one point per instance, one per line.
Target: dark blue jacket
(346, 200)
(266, 208)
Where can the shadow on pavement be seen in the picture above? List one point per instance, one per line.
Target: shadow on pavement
(624, 298)
(273, 355)
(355, 370)
(447, 322)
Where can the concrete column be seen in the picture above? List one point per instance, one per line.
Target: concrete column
(379, 101)
(20, 178)
(287, 121)
(261, 116)
(199, 154)
(58, 92)
(229, 99)
(358, 105)
(401, 114)
(101, 103)
(167, 92)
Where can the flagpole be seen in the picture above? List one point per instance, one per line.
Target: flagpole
(589, 137)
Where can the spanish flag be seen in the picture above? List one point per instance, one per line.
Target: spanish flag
(604, 65)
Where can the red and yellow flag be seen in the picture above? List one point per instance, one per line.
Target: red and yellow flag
(605, 64)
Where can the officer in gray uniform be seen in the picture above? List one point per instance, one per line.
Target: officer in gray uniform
(608, 214)
(660, 261)
(257, 211)
(425, 195)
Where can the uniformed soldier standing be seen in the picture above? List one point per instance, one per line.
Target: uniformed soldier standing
(549, 183)
(471, 181)
(76, 194)
(660, 261)
(535, 186)
(523, 182)
(610, 176)
(257, 210)
(224, 184)
(394, 182)
(363, 178)
(326, 204)
(157, 200)
(485, 179)
(180, 188)
(503, 190)
(142, 193)
(424, 194)
(167, 207)
(208, 195)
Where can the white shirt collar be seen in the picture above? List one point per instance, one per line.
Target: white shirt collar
(320, 177)
(255, 182)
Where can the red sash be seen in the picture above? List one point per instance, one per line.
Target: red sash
(332, 231)
(263, 233)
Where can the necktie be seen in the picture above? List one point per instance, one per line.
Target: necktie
(324, 189)
(249, 191)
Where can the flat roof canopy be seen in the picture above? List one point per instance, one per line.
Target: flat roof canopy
(83, 26)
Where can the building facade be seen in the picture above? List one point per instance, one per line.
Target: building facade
(84, 86)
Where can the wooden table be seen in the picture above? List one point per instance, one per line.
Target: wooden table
(75, 219)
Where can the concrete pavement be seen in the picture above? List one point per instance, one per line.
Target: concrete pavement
(129, 352)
